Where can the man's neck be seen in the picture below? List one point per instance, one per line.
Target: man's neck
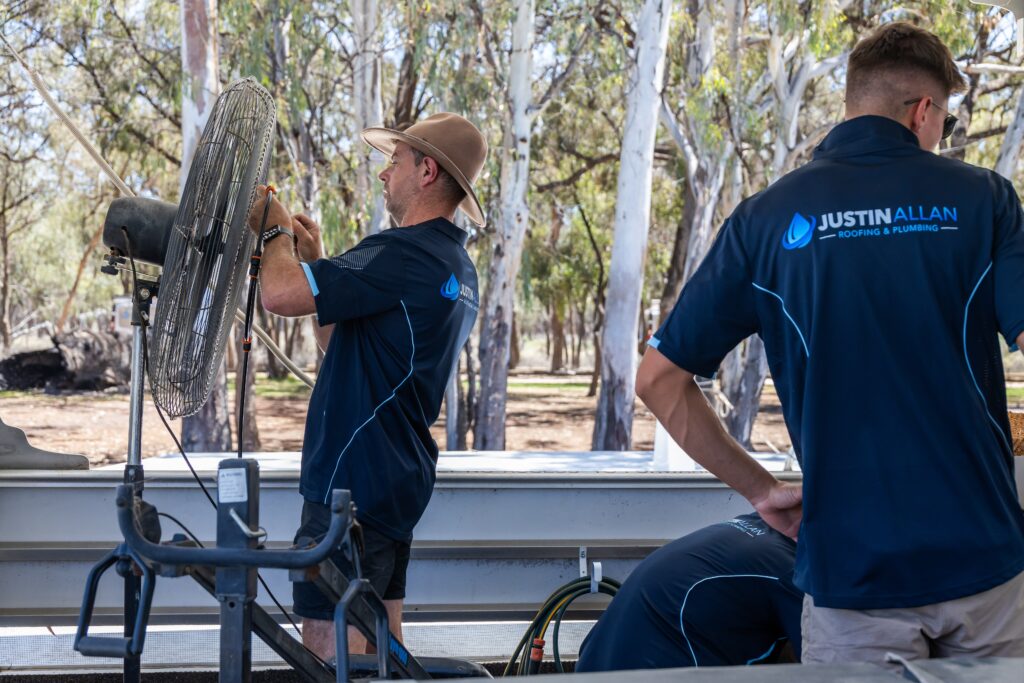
(422, 213)
(906, 121)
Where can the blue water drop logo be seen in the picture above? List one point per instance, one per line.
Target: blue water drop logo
(450, 289)
(799, 233)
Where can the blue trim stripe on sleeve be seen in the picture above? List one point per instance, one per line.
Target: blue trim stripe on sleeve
(310, 279)
(394, 392)
(682, 622)
(654, 342)
(967, 310)
(786, 312)
(755, 660)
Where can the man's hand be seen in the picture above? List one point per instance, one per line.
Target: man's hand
(278, 215)
(308, 241)
(678, 403)
(782, 507)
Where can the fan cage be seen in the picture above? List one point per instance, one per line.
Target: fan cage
(209, 249)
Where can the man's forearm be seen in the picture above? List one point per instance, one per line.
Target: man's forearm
(701, 434)
(283, 283)
(675, 399)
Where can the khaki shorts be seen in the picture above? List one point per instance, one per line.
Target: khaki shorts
(987, 624)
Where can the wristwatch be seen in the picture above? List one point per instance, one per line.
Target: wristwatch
(273, 232)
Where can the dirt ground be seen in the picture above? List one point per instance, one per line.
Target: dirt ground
(545, 412)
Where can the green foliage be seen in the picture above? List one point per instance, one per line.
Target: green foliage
(116, 67)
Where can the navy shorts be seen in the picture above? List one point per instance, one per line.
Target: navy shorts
(384, 562)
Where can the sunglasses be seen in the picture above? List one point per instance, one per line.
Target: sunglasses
(948, 123)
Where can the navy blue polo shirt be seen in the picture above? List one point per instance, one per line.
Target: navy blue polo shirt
(721, 596)
(879, 276)
(403, 303)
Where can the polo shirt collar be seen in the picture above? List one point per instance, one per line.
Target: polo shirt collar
(448, 228)
(865, 135)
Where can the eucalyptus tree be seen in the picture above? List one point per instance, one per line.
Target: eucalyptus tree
(209, 430)
(701, 109)
(514, 74)
(613, 422)
(20, 186)
(368, 105)
(1009, 151)
(575, 166)
(803, 44)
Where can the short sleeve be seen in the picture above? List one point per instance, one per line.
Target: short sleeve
(1008, 261)
(715, 310)
(363, 281)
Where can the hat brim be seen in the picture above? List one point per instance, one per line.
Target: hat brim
(384, 140)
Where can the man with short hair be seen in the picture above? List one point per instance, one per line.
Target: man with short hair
(879, 276)
(393, 313)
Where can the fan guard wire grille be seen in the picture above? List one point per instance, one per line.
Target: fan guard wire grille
(209, 248)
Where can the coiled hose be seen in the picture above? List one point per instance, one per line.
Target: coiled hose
(526, 660)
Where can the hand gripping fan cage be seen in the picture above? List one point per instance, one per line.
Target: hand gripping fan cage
(209, 248)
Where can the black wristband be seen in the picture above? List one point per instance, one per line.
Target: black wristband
(273, 232)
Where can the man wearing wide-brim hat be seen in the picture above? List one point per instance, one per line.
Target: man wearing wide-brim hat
(393, 314)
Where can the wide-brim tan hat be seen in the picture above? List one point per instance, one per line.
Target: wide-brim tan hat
(449, 139)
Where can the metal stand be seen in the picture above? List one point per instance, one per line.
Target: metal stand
(355, 589)
(133, 473)
(138, 577)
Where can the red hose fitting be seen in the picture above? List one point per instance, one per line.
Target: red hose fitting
(536, 656)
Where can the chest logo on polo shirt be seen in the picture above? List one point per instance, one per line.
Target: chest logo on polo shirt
(450, 289)
(453, 290)
(799, 233)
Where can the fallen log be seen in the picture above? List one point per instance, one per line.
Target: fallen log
(79, 360)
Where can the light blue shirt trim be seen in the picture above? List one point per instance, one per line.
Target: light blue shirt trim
(771, 649)
(310, 279)
(967, 310)
(682, 623)
(788, 316)
(654, 342)
(394, 392)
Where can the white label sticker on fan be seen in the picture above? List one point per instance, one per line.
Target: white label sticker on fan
(231, 486)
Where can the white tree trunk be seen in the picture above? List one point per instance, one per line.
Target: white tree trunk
(513, 217)
(368, 107)
(613, 425)
(200, 85)
(451, 410)
(209, 429)
(1009, 151)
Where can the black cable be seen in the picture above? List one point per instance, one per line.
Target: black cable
(145, 361)
(250, 304)
(183, 528)
(181, 449)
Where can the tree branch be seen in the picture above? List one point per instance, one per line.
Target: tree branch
(989, 68)
(490, 39)
(559, 81)
(571, 179)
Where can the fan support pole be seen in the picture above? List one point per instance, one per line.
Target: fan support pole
(133, 474)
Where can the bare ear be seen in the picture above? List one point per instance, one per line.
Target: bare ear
(918, 113)
(431, 171)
